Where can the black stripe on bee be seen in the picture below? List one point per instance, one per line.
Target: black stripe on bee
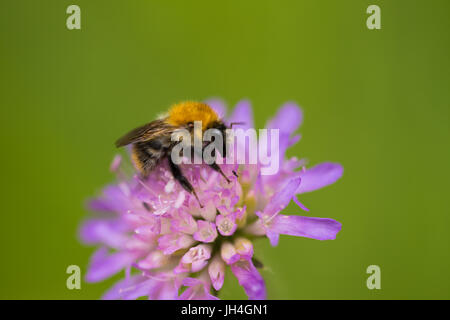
(154, 144)
(149, 153)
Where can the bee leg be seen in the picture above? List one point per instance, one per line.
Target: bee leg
(178, 175)
(216, 167)
(235, 174)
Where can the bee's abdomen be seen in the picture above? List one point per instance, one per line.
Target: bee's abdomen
(146, 155)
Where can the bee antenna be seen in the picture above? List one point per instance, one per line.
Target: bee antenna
(236, 123)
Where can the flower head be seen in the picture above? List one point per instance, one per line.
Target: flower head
(173, 248)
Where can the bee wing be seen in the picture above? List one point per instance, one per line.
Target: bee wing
(145, 133)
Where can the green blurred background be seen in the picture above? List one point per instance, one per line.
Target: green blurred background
(376, 101)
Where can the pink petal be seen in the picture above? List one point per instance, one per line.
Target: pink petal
(105, 231)
(228, 253)
(315, 228)
(169, 243)
(218, 105)
(197, 257)
(154, 259)
(142, 289)
(244, 247)
(216, 270)
(114, 199)
(104, 265)
(226, 224)
(118, 291)
(250, 279)
(281, 199)
(319, 176)
(288, 119)
(115, 164)
(301, 205)
(206, 232)
(242, 113)
(197, 290)
(183, 222)
(169, 291)
(273, 237)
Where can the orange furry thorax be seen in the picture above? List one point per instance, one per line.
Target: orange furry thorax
(190, 111)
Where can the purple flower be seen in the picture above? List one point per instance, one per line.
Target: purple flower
(171, 248)
(249, 278)
(216, 270)
(206, 232)
(195, 259)
(226, 224)
(197, 289)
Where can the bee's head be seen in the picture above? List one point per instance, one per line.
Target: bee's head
(219, 125)
(218, 129)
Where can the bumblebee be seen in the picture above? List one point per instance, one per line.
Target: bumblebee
(152, 143)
